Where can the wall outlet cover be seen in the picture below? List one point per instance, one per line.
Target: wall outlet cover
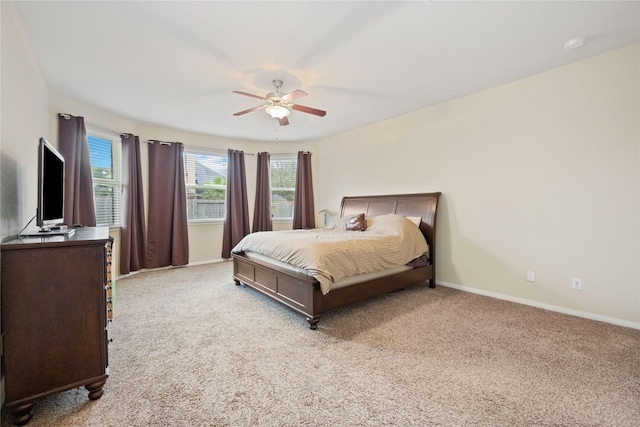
(576, 283)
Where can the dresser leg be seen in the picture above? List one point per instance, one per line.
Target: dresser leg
(95, 389)
(21, 414)
(313, 322)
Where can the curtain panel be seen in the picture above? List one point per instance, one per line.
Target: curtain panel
(303, 207)
(167, 234)
(236, 222)
(78, 186)
(132, 242)
(262, 208)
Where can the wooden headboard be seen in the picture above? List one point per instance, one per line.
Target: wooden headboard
(423, 205)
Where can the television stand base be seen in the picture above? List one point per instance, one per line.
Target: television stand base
(50, 233)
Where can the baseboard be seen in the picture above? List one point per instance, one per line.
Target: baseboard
(211, 261)
(550, 307)
(191, 264)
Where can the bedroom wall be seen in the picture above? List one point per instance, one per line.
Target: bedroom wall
(24, 120)
(540, 174)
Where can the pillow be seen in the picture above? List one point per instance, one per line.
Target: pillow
(389, 222)
(355, 223)
(415, 219)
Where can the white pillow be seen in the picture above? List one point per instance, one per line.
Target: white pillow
(415, 219)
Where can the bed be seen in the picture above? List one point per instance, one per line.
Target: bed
(303, 292)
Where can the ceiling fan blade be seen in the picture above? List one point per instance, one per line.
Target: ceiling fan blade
(248, 111)
(308, 110)
(294, 95)
(249, 94)
(284, 121)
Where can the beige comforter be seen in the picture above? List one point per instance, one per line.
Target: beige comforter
(329, 255)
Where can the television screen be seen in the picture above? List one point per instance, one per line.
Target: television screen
(50, 186)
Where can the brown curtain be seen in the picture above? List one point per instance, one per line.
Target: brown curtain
(262, 208)
(78, 186)
(132, 244)
(167, 236)
(236, 221)
(303, 209)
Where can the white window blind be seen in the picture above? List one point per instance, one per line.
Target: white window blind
(106, 170)
(283, 186)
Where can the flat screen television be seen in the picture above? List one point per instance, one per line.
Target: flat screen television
(50, 188)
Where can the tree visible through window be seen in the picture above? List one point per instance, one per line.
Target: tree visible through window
(105, 155)
(283, 186)
(206, 181)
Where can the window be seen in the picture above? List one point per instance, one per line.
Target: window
(206, 181)
(105, 153)
(283, 186)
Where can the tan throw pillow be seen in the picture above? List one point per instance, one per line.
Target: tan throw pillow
(355, 223)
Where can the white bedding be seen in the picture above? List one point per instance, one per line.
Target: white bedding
(390, 241)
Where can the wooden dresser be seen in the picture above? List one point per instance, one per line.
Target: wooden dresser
(56, 308)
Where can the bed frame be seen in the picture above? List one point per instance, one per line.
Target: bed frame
(302, 293)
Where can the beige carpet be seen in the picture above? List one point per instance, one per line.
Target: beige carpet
(192, 349)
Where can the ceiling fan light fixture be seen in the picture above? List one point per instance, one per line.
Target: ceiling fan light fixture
(277, 111)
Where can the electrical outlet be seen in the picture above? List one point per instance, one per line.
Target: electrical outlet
(576, 283)
(531, 276)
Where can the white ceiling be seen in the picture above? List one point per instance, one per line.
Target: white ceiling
(176, 64)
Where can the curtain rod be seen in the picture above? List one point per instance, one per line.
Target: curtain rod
(98, 127)
(220, 151)
(153, 141)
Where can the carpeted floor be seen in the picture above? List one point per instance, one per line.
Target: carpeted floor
(192, 349)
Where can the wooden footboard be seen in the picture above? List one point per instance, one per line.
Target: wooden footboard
(302, 293)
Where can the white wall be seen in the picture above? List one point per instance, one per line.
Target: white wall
(541, 174)
(23, 121)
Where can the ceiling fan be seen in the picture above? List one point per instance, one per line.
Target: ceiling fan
(278, 105)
